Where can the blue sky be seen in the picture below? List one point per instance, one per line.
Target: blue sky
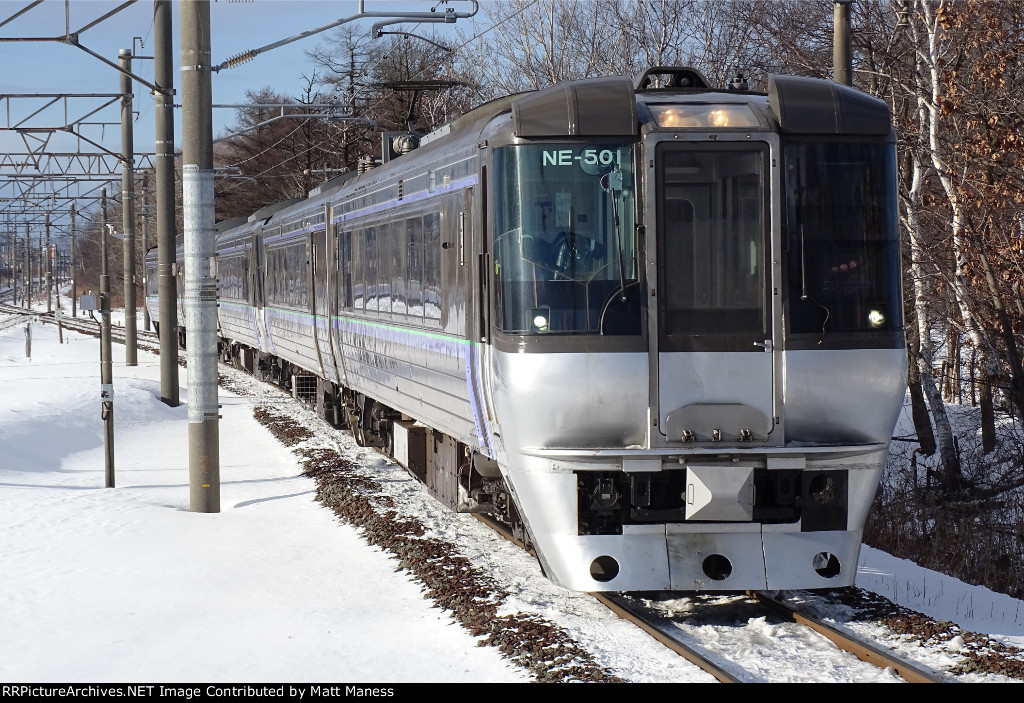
(236, 26)
(50, 67)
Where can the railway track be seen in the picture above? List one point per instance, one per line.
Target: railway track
(659, 629)
(862, 649)
(146, 340)
(665, 630)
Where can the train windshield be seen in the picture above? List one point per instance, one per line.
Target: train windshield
(712, 211)
(565, 245)
(843, 249)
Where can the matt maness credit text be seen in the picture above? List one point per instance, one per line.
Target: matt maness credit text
(191, 692)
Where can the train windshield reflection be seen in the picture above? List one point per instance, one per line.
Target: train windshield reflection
(565, 248)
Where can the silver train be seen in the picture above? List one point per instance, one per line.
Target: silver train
(655, 327)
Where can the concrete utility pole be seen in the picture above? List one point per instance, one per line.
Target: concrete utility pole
(14, 265)
(145, 250)
(131, 344)
(842, 55)
(42, 267)
(163, 61)
(106, 354)
(28, 267)
(49, 269)
(71, 265)
(200, 283)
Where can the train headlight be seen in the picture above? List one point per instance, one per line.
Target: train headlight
(876, 319)
(719, 118)
(539, 321)
(703, 115)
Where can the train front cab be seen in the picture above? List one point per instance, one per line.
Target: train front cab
(698, 354)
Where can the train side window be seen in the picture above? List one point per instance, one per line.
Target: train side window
(345, 268)
(306, 257)
(296, 275)
(359, 269)
(432, 266)
(280, 273)
(399, 245)
(370, 269)
(231, 277)
(273, 271)
(291, 275)
(275, 275)
(268, 268)
(300, 270)
(282, 276)
(291, 267)
(244, 275)
(414, 278)
(225, 279)
(281, 286)
(384, 268)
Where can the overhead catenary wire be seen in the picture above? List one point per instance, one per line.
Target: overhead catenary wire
(379, 101)
(301, 125)
(448, 17)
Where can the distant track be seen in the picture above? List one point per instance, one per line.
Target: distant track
(87, 326)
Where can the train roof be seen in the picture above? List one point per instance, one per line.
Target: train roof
(600, 107)
(610, 107)
(266, 212)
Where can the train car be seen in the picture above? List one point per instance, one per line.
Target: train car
(654, 326)
(152, 287)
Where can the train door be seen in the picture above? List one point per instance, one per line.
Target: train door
(333, 293)
(328, 265)
(318, 298)
(470, 238)
(344, 295)
(258, 268)
(713, 356)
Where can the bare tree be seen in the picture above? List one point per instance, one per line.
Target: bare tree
(364, 72)
(983, 105)
(539, 43)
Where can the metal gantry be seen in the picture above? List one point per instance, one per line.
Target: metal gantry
(59, 156)
(61, 166)
(63, 161)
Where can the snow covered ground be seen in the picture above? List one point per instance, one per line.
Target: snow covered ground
(124, 584)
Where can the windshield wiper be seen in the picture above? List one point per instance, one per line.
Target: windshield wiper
(614, 184)
(803, 262)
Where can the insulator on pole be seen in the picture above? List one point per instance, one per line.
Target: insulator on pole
(239, 59)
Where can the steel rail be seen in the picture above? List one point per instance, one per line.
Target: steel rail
(82, 325)
(866, 651)
(640, 617)
(651, 624)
